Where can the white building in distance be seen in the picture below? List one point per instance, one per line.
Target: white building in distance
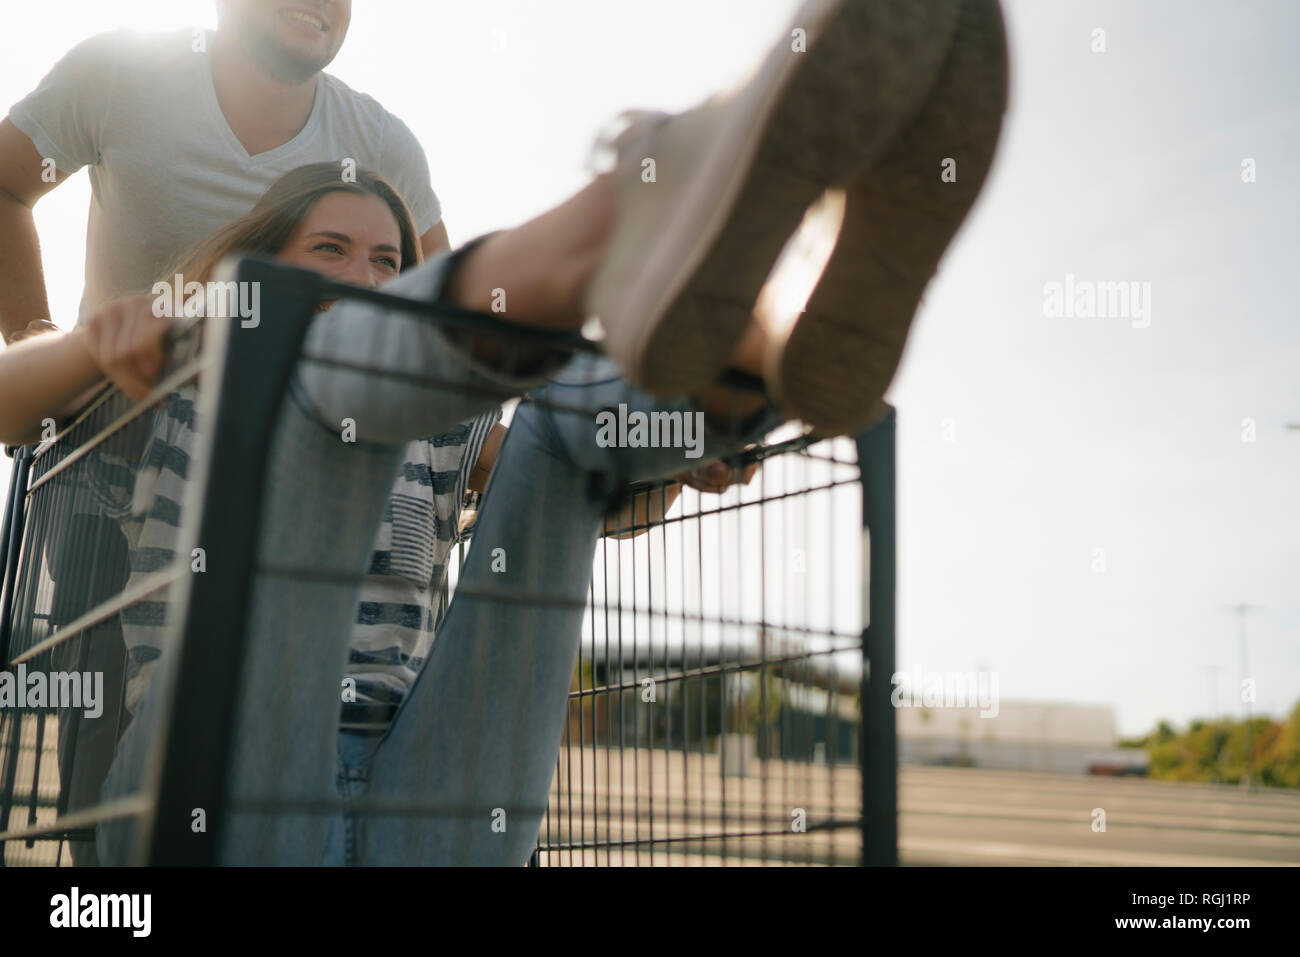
(1022, 736)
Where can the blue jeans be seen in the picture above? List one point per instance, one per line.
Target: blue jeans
(463, 773)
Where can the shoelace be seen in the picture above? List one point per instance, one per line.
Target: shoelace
(622, 137)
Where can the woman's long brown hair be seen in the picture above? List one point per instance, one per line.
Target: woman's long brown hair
(265, 229)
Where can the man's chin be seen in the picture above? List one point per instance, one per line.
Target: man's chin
(288, 65)
(294, 69)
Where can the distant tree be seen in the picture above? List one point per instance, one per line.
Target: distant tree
(1280, 755)
(1221, 751)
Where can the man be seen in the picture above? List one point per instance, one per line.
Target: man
(182, 133)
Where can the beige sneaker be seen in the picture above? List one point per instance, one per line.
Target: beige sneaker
(707, 198)
(832, 367)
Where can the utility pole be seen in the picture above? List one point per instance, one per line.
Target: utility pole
(1212, 674)
(1241, 608)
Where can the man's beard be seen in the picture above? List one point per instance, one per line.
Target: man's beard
(281, 65)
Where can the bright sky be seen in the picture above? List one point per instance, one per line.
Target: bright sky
(1027, 443)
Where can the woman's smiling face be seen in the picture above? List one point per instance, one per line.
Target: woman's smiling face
(347, 237)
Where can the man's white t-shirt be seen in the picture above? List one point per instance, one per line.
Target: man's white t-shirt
(166, 170)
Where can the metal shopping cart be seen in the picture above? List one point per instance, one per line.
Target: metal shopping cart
(731, 700)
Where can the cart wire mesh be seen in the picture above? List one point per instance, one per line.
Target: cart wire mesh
(72, 592)
(714, 715)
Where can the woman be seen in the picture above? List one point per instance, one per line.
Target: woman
(862, 101)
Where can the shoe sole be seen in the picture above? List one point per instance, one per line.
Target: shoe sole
(900, 217)
(676, 292)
